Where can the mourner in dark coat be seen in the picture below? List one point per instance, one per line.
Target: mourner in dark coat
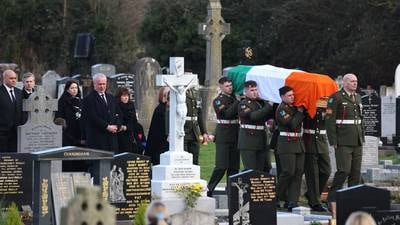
(28, 80)
(69, 114)
(157, 142)
(126, 139)
(101, 117)
(10, 112)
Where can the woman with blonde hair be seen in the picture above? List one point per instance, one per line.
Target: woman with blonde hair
(360, 218)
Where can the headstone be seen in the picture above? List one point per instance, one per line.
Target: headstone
(16, 173)
(145, 71)
(214, 30)
(252, 198)
(85, 82)
(388, 118)
(332, 158)
(87, 208)
(43, 202)
(397, 81)
(122, 80)
(192, 217)
(360, 197)
(370, 157)
(49, 83)
(63, 186)
(386, 217)
(39, 132)
(106, 69)
(371, 114)
(129, 184)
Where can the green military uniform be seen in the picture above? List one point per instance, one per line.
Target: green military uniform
(291, 153)
(317, 162)
(227, 156)
(345, 130)
(252, 134)
(194, 125)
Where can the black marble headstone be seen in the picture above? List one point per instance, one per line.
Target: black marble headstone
(130, 176)
(387, 217)
(122, 80)
(85, 82)
(360, 197)
(372, 114)
(252, 198)
(16, 172)
(43, 208)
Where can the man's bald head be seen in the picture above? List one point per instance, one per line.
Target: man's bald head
(9, 78)
(350, 82)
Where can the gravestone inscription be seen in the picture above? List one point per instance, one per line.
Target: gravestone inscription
(388, 119)
(129, 184)
(372, 114)
(252, 199)
(39, 132)
(386, 217)
(122, 80)
(16, 172)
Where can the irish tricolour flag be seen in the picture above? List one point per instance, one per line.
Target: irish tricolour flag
(308, 87)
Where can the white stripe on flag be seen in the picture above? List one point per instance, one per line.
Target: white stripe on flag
(269, 79)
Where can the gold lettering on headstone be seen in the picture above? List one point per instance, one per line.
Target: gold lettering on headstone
(11, 175)
(74, 154)
(44, 197)
(262, 189)
(138, 188)
(105, 188)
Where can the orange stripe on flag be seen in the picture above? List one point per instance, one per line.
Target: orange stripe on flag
(309, 87)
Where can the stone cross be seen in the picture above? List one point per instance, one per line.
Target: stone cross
(214, 31)
(178, 83)
(40, 106)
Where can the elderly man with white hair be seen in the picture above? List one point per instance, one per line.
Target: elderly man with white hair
(101, 117)
(345, 134)
(10, 112)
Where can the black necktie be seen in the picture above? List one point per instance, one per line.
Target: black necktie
(12, 96)
(104, 98)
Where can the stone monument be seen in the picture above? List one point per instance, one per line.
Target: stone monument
(145, 71)
(176, 166)
(49, 82)
(39, 132)
(88, 207)
(106, 69)
(214, 31)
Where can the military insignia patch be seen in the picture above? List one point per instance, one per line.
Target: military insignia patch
(218, 102)
(330, 100)
(283, 113)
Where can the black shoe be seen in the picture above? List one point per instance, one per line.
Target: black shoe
(209, 194)
(318, 208)
(292, 205)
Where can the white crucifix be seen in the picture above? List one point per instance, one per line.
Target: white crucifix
(179, 84)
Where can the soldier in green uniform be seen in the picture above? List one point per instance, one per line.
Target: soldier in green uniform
(290, 148)
(317, 163)
(195, 132)
(253, 113)
(345, 134)
(227, 156)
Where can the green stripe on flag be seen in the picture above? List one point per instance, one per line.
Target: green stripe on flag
(238, 76)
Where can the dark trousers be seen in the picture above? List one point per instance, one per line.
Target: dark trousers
(227, 158)
(8, 141)
(289, 183)
(254, 159)
(348, 162)
(192, 146)
(317, 168)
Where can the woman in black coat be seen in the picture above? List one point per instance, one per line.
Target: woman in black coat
(69, 114)
(126, 139)
(157, 139)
